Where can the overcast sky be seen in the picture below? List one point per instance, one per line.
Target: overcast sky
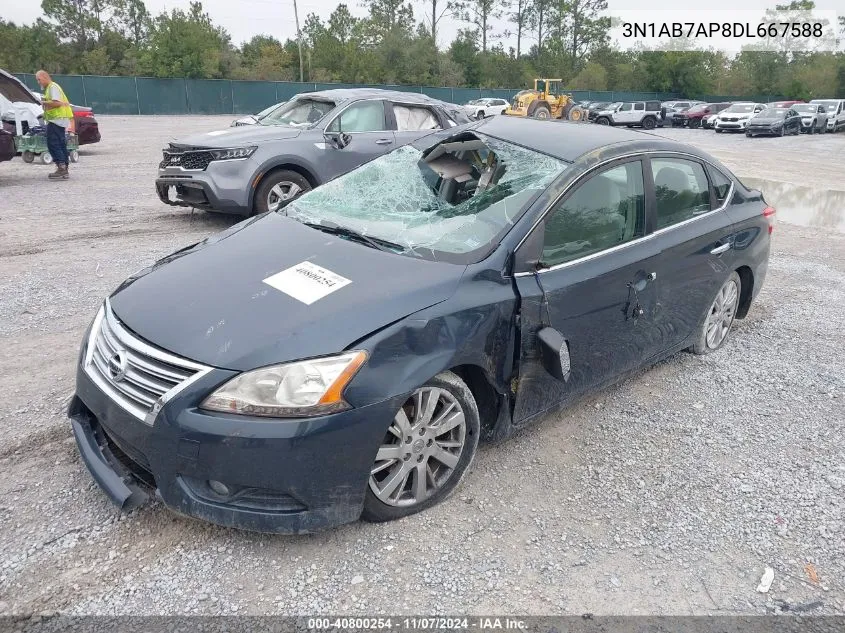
(245, 18)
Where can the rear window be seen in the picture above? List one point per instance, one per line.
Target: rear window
(653, 106)
(721, 184)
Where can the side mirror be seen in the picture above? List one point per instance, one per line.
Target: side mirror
(337, 140)
(554, 351)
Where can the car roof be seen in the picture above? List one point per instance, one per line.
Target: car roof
(568, 140)
(13, 89)
(346, 94)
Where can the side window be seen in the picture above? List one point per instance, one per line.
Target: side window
(639, 106)
(366, 116)
(721, 184)
(413, 118)
(626, 107)
(603, 212)
(681, 189)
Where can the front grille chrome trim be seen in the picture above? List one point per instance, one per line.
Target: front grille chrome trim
(151, 378)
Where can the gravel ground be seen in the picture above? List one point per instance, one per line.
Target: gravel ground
(667, 494)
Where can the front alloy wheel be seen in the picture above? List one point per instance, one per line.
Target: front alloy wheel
(278, 188)
(426, 450)
(720, 317)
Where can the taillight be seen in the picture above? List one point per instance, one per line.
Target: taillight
(83, 113)
(769, 214)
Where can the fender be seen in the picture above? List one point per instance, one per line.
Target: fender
(280, 161)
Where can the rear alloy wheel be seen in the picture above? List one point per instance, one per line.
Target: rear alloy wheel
(278, 189)
(720, 317)
(649, 122)
(425, 451)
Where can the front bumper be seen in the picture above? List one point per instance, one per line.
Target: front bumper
(731, 125)
(222, 186)
(284, 476)
(763, 131)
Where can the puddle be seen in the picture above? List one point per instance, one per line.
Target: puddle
(805, 206)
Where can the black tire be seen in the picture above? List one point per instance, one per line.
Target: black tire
(649, 123)
(603, 120)
(28, 157)
(542, 112)
(694, 123)
(748, 135)
(701, 345)
(718, 131)
(479, 115)
(262, 204)
(376, 510)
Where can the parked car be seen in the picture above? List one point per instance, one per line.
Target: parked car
(678, 106)
(813, 117)
(273, 378)
(480, 108)
(17, 107)
(694, 116)
(313, 138)
(252, 119)
(647, 114)
(597, 106)
(84, 125)
(709, 121)
(774, 122)
(835, 113)
(736, 117)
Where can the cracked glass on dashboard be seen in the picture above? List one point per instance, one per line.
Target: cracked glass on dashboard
(299, 113)
(456, 199)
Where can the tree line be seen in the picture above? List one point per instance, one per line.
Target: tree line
(397, 43)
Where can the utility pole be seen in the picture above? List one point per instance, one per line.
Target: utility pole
(298, 41)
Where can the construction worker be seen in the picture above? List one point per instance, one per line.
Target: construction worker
(58, 115)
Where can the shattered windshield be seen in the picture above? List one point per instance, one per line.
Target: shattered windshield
(299, 113)
(454, 202)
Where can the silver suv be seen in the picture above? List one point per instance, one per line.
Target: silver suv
(313, 138)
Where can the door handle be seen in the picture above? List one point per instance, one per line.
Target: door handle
(383, 141)
(721, 249)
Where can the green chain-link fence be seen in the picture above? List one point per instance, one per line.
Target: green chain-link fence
(147, 95)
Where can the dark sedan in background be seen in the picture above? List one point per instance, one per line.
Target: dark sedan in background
(774, 122)
(342, 358)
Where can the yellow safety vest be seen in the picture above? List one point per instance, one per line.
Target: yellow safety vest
(62, 112)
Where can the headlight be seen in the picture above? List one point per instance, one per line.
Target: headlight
(300, 389)
(232, 153)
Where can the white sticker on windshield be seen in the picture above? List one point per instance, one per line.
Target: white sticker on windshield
(307, 282)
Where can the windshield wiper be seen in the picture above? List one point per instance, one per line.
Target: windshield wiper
(343, 231)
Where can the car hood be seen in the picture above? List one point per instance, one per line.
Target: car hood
(766, 121)
(737, 115)
(210, 303)
(238, 136)
(14, 90)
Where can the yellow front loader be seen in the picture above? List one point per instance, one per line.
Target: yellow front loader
(545, 102)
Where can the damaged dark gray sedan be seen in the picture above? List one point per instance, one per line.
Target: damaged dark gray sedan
(342, 357)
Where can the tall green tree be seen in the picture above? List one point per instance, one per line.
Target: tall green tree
(188, 44)
(481, 14)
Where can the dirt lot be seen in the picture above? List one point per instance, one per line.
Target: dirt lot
(667, 494)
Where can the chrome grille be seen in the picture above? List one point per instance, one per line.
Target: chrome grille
(137, 376)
